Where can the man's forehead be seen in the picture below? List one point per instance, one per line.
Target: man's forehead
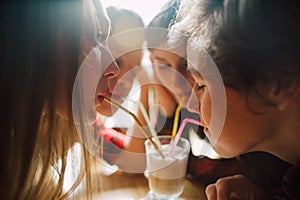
(200, 61)
(194, 58)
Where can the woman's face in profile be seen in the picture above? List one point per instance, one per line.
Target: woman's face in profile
(93, 53)
(122, 83)
(96, 64)
(94, 50)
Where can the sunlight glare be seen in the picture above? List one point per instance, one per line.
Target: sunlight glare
(146, 9)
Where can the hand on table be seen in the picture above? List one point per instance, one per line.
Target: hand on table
(237, 187)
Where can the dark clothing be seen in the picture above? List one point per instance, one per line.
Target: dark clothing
(263, 169)
(290, 187)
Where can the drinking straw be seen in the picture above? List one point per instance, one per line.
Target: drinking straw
(147, 119)
(176, 118)
(109, 100)
(179, 133)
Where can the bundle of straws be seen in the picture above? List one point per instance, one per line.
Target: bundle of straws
(155, 145)
(175, 134)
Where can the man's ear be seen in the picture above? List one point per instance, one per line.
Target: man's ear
(284, 92)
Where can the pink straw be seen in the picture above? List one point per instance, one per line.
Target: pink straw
(179, 133)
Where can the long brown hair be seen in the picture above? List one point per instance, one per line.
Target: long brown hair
(34, 139)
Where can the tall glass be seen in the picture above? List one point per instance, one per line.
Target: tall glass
(166, 177)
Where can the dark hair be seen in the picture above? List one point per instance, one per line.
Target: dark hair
(252, 42)
(166, 15)
(164, 19)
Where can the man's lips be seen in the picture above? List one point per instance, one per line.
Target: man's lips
(203, 125)
(205, 130)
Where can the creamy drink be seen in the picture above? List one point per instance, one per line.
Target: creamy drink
(166, 176)
(166, 187)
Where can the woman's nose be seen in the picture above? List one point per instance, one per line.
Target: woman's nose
(111, 69)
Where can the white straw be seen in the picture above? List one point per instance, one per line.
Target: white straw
(147, 119)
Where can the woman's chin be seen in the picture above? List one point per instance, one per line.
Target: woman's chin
(106, 109)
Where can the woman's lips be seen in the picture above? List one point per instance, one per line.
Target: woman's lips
(115, 97)
(180, 96)
(100, 99)
(102, 95)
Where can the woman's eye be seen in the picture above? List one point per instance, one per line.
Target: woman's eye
(164, 67)
(201, 87)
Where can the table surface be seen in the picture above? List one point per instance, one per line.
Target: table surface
(124, 186)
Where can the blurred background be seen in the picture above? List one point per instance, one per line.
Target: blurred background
(147, 9)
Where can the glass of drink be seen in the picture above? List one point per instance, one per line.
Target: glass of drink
(166, 176)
